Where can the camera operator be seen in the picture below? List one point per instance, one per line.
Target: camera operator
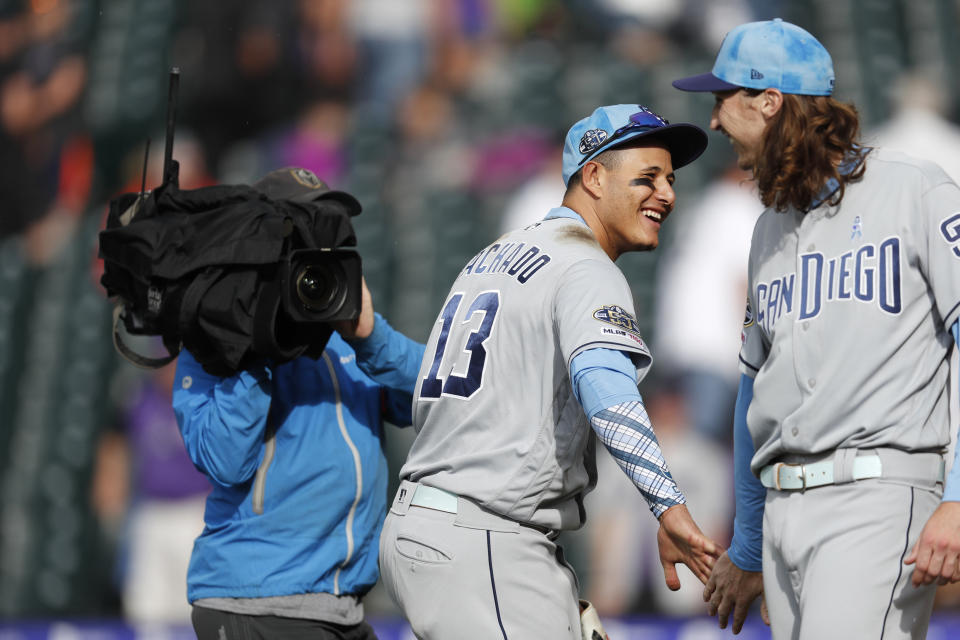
(294, 452)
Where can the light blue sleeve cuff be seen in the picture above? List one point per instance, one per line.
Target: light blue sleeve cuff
(603, 378)
(951, 490)
(746, 547)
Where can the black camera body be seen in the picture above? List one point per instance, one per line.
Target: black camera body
(234, 273)
(229, 274)
(322, 285)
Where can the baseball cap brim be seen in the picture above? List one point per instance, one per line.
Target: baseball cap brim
(351, 203)
(704, 82)
(686, 142)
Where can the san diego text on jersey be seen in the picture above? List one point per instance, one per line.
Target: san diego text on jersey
(868, 274)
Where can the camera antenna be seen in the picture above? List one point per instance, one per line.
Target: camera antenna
(170, 166)
(143, 177)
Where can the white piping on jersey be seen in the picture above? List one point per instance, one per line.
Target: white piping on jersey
(357, 466)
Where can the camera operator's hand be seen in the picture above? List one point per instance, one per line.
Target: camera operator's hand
(362, 327)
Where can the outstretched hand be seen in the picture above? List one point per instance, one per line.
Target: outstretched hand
(361, 327)
(680, 540)
(936, 555)
(732, 588)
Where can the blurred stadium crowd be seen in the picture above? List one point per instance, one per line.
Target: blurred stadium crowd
(444, 118)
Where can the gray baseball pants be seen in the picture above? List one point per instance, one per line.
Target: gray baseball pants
(475, 575)
(833, 560)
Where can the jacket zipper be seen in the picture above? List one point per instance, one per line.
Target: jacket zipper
(357, 466)
(260, 481)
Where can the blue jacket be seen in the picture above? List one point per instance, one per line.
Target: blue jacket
(298, 499)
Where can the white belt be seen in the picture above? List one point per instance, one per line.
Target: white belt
(433, 498)
(785, 476)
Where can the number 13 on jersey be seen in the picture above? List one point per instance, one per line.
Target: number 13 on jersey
(452, 339)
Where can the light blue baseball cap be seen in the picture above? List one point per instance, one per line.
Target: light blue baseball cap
(772, 54)
(615, 125)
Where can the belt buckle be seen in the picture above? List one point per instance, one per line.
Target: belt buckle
(777, 466)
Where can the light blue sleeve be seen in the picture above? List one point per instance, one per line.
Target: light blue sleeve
(951, 490)
(615, 380)
(390, 358)
(746, 547)
(222, 420)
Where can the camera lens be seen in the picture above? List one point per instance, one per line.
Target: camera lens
(317, 287)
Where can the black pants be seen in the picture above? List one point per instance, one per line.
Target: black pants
(210, 624)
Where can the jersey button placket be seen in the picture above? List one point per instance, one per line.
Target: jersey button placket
(804, 357)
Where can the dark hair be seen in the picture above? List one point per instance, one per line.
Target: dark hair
(802, 147)
(609, 159)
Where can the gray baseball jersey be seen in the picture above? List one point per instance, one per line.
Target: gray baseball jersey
(495, 413)
(848, 316)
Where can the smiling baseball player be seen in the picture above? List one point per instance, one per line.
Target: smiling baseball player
(842, 416)
(537, 342)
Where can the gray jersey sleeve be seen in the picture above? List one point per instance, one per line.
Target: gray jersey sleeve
(940, 254)
(594, 308)
(754, 345)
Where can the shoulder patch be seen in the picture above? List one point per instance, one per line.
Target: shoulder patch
(748, 315)
(618, 317)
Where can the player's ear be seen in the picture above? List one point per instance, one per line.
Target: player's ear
(771, 100)
(592, 177)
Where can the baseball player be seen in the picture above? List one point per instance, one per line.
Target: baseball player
(842, 416)
(536, 343)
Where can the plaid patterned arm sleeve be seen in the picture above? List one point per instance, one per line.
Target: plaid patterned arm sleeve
(626, 432)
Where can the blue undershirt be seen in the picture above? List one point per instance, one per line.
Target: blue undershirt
(603, 378)
(746, 547)
(605, 383)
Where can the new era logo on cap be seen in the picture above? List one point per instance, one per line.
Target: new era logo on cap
(755, 75)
